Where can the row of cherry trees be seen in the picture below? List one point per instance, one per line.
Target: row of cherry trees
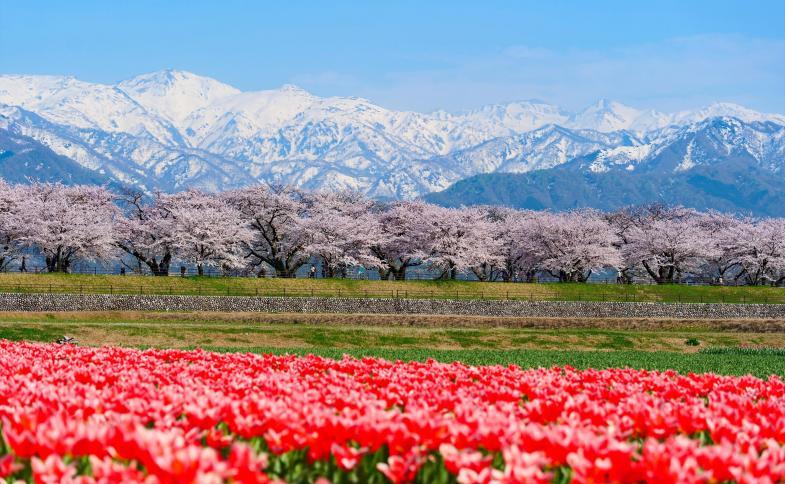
(279, 229)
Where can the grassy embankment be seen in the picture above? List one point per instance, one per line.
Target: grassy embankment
(529, 342)
(358, 288)
(682, 347)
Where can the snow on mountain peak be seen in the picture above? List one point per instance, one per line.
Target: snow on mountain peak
(68, 101)
(175, 94)
(175, 129)
(292, 88)
(718, 109)
(166, 79)
(510, 118)
(605, 115)
(702, 143)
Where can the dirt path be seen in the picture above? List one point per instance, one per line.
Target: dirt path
(388, 320)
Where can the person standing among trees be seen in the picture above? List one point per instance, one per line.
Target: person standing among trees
(312, 274)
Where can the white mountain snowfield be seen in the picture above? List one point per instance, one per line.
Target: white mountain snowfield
(169, 130)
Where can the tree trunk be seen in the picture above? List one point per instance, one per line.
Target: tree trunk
(163, 266)
(199, 269)
(575, 276)
(280, 269)
(583, 277)
(451, 273)
(384, 274)
(626, 277)
(328, 272)
(530, 276)
(56, 262)
(50, 264)
(156, 267)
(160, 269)
(481, 272)
(663, 275)
(283, 268)
(399, 274)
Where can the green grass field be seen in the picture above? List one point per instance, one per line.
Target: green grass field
(115, 284)
(762, 366)
(685, 349)
(679, 346)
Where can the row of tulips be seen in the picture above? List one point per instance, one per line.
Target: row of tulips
(72, 414)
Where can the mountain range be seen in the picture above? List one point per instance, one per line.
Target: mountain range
(170, 130)
(720, 163)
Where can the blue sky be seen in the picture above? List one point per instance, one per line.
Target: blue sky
(423, 56)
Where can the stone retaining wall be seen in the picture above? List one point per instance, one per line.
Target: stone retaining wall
(106, 302)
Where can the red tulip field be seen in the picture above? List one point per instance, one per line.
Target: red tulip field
(74, 414)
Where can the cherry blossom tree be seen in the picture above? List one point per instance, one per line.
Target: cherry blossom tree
(459, 239)
(570, 246)
(208, 232)
(341, 229)
(667, 242)
(400, 242)
(10, 228)
(521, 248)
(623, 222)
(67, 223)
(775, 232)
(511, 230)
(488, 243)
(274, 215)
(280, 228)
(147, 232)
(721, 230)
(759, 249)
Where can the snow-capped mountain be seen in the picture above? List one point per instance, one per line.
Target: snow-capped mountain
(22, 158)
(606, 116)
(539, 149)
(70, 102)
(175, 95)
(704, 143)
(171, 129)
(718, 163)
(723, 109)
(510, 118)
(130, 160)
